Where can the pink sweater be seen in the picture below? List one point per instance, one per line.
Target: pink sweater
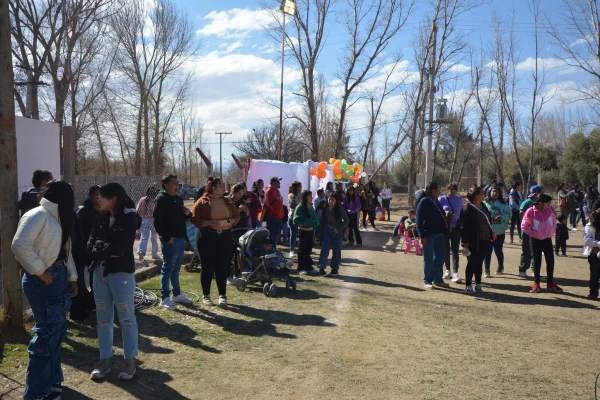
(539, 224)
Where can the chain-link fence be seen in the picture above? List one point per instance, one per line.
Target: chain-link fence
(135, 186)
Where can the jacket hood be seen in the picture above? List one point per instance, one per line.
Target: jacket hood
(49, 206)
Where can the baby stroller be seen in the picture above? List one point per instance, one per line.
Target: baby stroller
(191, 244)
(262, 267)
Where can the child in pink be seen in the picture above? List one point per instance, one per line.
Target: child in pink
(539, 223)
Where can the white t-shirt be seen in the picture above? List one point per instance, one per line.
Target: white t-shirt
(386, 194)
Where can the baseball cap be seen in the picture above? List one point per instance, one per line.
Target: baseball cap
(275, 179)
(534, 189)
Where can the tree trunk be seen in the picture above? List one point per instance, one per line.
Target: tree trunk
(137, 168)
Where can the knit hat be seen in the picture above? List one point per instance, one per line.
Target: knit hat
(534, 189)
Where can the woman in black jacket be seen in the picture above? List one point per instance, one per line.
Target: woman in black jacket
(476, 232)
(111, 248)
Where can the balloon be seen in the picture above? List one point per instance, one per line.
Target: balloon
(337, 163)
(313, 172)
(322, 166)
(344, 173)
(321, 174)
(344, 164)
(363, 175)
(360, 167)
(331, 160)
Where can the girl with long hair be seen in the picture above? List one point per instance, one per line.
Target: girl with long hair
(539, 223)
(476, 236)
(215, 215)
(145, 210)
(111, 247)
(258, 188)
(333, 222)
(42, 245)
(294, 194)
(305, 218)
(353, 206)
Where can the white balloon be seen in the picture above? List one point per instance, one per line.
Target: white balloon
(363, 174)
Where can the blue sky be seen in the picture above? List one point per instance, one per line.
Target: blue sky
(239, 64)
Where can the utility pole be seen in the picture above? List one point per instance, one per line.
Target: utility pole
(432, 62)
(221, 151)
(9, 215)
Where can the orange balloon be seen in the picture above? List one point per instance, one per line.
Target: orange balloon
(321, 174)
(322, 166)
(337, 164)
(313, 172)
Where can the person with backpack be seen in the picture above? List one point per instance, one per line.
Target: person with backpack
(453, 206)
(31, 198)
(111, 247)
(369, 195)
(515, 198)
(170, 217)
(432, 225)
(539, 223)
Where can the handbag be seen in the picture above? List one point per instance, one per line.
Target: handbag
(446, 224)
(494, 236)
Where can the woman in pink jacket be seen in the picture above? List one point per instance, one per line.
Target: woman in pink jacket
(539, 223)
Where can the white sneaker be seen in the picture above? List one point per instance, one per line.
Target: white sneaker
(487, 275)
(456, 278)
(478, 289)
(428, 286)
(222, 301)
(574, 230)
(101, 370)
(292, 254)
(447, 275)
(523, 274)
(182, 299)
(206, 300)
(302, 272)
(168, 304)
(469, 289)
(231, 280)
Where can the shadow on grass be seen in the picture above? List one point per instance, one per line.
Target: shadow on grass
(355, 261)
(369, 281)
(254, 328)
(280, 317)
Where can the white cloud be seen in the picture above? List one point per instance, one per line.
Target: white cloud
(547, 63)
(459, 68)
(235, 23)
(583, 40)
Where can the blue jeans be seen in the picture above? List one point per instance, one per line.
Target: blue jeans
(433, 259)
(573, 218)
(49, 305)
(495, 246)
(274, 226)
(172, 260)
(293, 235)
(331, 241)
(148, 232)
(109, 291)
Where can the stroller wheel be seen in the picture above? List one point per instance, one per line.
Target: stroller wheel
(187, 268)
(293, 285)
(240, 284)
(266, 287)
(272, 290)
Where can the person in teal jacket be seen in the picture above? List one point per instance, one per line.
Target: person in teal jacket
(305, 217)
(501, 216)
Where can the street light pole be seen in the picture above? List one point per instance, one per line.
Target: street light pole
(428, 154)
(221, 151)
(287, 7)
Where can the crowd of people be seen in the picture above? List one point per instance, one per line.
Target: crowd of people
(56, 245)
(479, 225)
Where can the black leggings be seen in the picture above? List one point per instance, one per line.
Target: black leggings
(371, 215)
(594, 273)
(353, 229)
(385, 203)
(537, 248)
(475, 263)
(215, 255)
(515, 220)
(304, 250)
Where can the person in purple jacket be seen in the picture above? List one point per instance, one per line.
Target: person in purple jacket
(353, 205)
(453, 206)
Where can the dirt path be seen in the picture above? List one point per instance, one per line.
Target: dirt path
(371, 333)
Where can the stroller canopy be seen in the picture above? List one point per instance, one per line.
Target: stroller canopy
(253, 238)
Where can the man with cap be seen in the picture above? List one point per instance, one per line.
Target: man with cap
(534, 192)
(273, 209)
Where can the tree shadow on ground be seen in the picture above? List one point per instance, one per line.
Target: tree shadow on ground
(254, 328)
(369, 281)
(280, 317)
(356, 261)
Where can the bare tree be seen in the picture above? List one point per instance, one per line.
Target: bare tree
(262, 144)
(371, 25)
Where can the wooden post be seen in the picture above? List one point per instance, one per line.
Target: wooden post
(209, 165)
(9, 214)
(240, 166)
(69, 153)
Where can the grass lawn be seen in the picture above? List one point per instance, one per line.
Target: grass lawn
(371, 333)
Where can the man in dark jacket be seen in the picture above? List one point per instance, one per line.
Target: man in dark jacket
(31, 198)
(431, 227)
(169, 221)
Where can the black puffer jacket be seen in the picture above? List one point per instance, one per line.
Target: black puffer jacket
(114, 244)
(88, 216)
(469, 226)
